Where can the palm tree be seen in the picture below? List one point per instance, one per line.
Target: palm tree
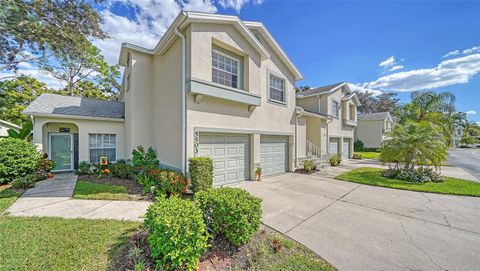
(420, 143)
(426, 102)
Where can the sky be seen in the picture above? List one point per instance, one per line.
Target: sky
(399, 46)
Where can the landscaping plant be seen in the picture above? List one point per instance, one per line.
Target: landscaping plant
(24, 182)
(230, 212)
(163, 182)
(419, 175)
(309, 165)
(87, 168)
(144, 161)
(258, 173)
(178, 236)
(201, 173)
(335, 159)
(17, 159)
(122, 169)
(357, 155)
(358, 145)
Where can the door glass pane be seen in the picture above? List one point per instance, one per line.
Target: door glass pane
(61, 151)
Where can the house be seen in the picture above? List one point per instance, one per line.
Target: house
(372, 128)
(5, 126)
(457, 135)
(213, 86)
(329, 119)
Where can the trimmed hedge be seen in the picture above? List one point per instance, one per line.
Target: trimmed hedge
(201, 173)
(178, 236)
(231, 212)
(17, 159)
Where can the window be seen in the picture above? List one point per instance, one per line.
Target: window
(225, 70)
(352, 112)
(277, 88)
(102, 145)
(335, 109)
(128, 82)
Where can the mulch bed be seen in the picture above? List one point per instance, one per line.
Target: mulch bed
(302, 171)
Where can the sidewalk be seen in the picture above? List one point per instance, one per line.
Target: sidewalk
(53, 198)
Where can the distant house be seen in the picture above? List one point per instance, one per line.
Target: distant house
(457, 135)
(5, 126)
(372, 128)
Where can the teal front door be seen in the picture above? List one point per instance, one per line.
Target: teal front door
(61, 151)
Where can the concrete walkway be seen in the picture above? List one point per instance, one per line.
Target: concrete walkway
(53, 198)
(361, 227)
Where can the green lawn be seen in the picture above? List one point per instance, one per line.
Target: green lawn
(368, 154)
(7, 197)
(371, 176)
(60, 244)
(90, 190)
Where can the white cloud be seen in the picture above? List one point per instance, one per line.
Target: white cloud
(361, 88)
(468, 51)
(32, 71)
(238, 4)
(390, 64)
(451, 53)
(471, 112)
(448, 72)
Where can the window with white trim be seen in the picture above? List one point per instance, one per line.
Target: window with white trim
(102, 145)
(335, 108)
(277, 89)
(225, 70)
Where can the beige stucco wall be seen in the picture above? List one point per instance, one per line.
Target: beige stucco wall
(370, 133)
(84, 127)
(310, 104)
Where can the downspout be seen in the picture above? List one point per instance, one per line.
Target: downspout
(328, 136)
(299, 114)
(184, 104)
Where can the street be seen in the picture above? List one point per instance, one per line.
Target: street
(468, 159)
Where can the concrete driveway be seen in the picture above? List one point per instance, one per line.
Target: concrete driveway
(468, 159)
(359, 227)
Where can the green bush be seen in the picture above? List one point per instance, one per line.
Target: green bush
(357, 155)
(144, 161)
(335, 159)
(87, 168)
(309, 165)
(201, 173)
(419, 175)
(121, 169)
(231, 212)
(17, 159)
(24, 182)
(178, 236)
(358, 145)
(163, 182)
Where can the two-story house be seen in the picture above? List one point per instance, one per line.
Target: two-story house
(373, 128)
(329, 116)
(213, 86)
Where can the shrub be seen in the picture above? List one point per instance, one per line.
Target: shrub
(178, 235)
(17, 158)
(122, 169)
(163, 182)
(201, 173)
(45, 164)
(390, 173)
(358, 145)
(335, 159)
(231, 212)
(309, 165)
(144, 161)
(87, 168)
(24, 182)
(357, 155)
(420, 175)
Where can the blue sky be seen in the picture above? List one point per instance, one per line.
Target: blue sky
(377, 45)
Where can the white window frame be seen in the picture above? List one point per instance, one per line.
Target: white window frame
(90, 148)
(238, 74)
(269, 76)
(336, 114)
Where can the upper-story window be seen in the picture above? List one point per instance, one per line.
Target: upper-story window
(225, 70)
(335, 109)
(277, 89)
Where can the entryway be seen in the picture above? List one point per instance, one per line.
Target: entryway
(60, 146)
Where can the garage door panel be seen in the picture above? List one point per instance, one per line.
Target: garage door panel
(273, 154)
(230, 156)
(346, 148)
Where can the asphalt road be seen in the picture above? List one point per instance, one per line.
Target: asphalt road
(468, 159)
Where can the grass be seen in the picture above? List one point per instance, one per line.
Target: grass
(451, 186)
(273, 251)
(7, 197)
(60, 244)
(368, 154)
(90, 190)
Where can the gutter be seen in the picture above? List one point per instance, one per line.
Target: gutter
(184, 104)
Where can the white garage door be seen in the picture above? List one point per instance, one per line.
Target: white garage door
(273, 154)
(230, 156)
(346, 148)
(333, 146)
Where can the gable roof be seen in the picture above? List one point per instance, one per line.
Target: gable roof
(9, 124)
(187, 17)
(70, 106)
(374, 116)
(322, 90)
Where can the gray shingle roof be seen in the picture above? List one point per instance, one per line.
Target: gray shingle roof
(373, 116)
(54, 104)
(318, 90)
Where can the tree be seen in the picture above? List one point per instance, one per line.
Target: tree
(33, 30)
(25, 133)
(414, 143)
(84, 72)
(302, 88)
(385, 102)
(16, 95)
(468, 139)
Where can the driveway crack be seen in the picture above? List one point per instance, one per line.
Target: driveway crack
(319, 211)
(429, 200)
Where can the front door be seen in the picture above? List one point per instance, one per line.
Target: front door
(61, 151)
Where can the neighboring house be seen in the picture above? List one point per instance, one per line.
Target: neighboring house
(5, 126)
(329, 118)
(457, 135)
(213, 86)
(372, 128)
